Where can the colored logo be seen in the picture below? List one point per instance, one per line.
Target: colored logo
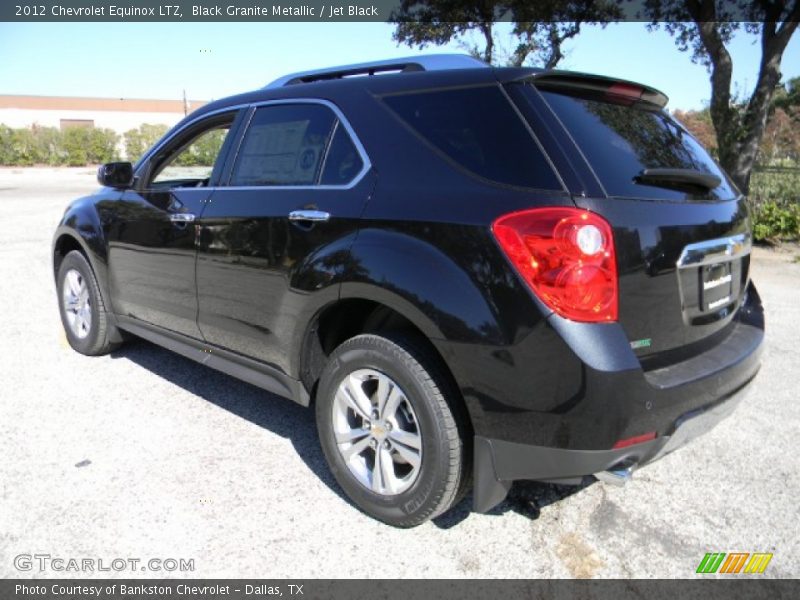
(307, 159)
(734, 563)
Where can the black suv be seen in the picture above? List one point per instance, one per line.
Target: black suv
(475, 275)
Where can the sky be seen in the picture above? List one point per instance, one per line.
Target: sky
(214, 60)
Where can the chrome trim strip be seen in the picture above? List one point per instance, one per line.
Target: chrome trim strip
(427, 62)
(327, 150)
(181, 217)
(309, 215)
(367, 164)
(714, 251)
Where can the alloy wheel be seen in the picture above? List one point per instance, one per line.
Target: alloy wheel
(377, 432)
(77, 303)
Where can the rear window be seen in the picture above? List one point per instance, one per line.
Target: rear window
(619, 141)
(478, 129)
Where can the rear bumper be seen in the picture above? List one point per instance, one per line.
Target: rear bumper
(678, 403)
(499, 463)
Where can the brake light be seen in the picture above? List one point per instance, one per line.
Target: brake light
(624, 93)
(566, 256)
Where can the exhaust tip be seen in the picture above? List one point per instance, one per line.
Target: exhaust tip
(617, 475)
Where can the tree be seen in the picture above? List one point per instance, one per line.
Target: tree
(700, 125)
(787, 96)
(540, 27)
(781, 139)
(705, 27)
(782, 135)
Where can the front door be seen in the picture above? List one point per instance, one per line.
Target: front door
(152, 235)
(272, 240)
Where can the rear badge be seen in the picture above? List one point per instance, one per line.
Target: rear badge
(645, 343)
(708, 285)
(718, 303)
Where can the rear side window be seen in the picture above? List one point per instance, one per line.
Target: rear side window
(343, 162)
(284, 145)
(619, 141)
(478, 129)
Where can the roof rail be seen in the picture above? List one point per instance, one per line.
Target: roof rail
(428, 62)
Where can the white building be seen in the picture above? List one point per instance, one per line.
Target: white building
(119, 114)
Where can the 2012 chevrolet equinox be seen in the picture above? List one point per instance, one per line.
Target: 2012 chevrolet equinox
(476, 275)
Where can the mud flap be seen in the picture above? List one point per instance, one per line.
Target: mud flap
(488, 491)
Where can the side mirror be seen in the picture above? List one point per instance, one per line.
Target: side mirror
(115, 174)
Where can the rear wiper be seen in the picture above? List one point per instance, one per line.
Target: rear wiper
(679, 178)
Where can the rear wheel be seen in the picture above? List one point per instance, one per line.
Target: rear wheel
(390, 431)
(86, 323)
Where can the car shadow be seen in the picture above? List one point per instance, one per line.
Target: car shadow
(262, 408)
(526, 498)
(296, 423)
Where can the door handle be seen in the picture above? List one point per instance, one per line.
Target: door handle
(309, 215)
(181, 217)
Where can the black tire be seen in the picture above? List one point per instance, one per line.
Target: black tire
(101, 336)
(443, 474)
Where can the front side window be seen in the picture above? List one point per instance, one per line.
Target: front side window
(285, 145)
(190, 161)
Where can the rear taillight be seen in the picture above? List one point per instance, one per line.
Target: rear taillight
(566, 256)
(632, 441)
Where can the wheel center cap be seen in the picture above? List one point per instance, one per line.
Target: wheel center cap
(378, 431)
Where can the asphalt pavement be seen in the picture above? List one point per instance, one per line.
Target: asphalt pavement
(146, 455)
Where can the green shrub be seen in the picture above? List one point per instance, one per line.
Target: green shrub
(76, 146)
(775, 200)
(6, 145)
(23, 147)
(138, 140)
(48, 146)
(773, 222)
(84, 145)
(203, 151)
(75, 142)
(103, 145)
(775, 186)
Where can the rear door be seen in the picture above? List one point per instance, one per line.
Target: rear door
(682, 230)
(274, 238)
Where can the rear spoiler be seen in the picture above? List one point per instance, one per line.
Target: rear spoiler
(585, 82)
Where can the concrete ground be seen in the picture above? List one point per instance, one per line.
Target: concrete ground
(144, 454)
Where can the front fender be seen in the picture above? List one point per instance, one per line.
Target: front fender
(81, 225)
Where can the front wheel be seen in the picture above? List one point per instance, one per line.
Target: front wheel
(390, 429)
(86, 323)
